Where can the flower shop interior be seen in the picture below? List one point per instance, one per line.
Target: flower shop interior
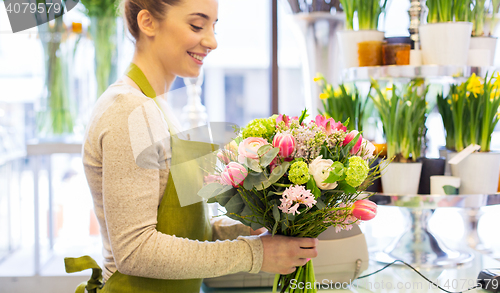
(418, 79)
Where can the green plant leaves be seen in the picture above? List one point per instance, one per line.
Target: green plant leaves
(268, 157)
(337, 173)
(311, 185)
(253, 165)
(264, 149)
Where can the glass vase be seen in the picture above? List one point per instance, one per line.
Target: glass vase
(104, 33)
(55, 109)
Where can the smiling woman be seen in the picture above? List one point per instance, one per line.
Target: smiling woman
(152, 241)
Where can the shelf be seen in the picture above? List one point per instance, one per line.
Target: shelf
(35, 148)
(426, 201)
(410, 72)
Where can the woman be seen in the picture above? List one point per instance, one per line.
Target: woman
(151, 242)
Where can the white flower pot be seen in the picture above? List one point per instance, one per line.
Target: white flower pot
(478, 173)
(348, 43)
(401, 178)
(445, 43)
(482, 51)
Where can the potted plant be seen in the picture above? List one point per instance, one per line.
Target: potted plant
(103, 29)
(342, 104)
(470, 114)
(403, 112)
(445, 39)
(368, 13)
(482, 45)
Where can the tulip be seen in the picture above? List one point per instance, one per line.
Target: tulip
(364, 210)
(233, 174)
(349, 138)
(286, 143)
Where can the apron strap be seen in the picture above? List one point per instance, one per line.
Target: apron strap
(74, 265)
(136, 74)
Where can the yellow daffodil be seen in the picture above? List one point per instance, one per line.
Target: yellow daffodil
(475, 85)
(337, 92)
(329, 88)
(419, 82)
(324, 96)
(318, 77)
(455, 97)
(494, 95)
(496, 85)
(449, 101)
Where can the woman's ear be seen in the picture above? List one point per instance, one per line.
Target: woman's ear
(147, 23)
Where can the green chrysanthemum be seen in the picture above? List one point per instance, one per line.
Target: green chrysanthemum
(356, 172)
(299, 173)
(261, 127)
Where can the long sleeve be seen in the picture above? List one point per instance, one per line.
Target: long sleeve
(225, 228)
(125, 158)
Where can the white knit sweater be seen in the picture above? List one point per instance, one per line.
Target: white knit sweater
(127, 176)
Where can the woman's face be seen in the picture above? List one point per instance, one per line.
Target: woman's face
(186, 36)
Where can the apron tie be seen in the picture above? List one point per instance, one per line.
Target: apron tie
(84, 263)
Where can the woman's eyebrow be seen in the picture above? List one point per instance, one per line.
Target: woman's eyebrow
(202, 15)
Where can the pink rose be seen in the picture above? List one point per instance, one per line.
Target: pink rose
(349, 138)
(248, 148)
(286, 143)
(233, 174)
(364, 209)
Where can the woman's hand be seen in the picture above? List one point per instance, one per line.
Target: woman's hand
(282, 254)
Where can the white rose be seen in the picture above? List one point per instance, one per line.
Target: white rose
(320, 170)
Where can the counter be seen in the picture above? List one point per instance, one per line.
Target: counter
(399, 278)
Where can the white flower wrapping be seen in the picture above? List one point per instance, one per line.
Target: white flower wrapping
(319, 168)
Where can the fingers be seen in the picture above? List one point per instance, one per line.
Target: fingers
(308, 242)
(283, 254)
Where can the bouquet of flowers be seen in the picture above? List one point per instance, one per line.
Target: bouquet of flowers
(295, 179)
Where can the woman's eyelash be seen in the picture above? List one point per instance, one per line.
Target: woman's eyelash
(196, 27)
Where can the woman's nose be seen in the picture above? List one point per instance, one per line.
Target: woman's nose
(209, 40)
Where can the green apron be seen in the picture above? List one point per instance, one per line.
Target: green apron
(190, 221)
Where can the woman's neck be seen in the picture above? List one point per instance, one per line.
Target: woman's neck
(154, 72)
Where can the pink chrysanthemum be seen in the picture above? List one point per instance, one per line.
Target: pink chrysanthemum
(294, 196)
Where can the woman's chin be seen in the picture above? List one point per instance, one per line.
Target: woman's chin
(191, 74)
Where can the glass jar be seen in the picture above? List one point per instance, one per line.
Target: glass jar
(396, 54)
(370, 53)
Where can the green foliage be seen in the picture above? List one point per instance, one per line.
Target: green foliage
(403, 114)
(470, 112)
(101, 8)
(343, 104)
(368, 12)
